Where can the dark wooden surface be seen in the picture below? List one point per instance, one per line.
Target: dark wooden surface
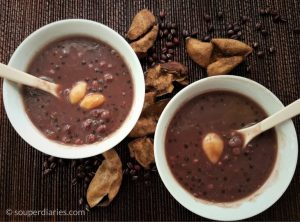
(22, 186)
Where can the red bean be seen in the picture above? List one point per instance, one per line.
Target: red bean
(90, 138)
(101, 128)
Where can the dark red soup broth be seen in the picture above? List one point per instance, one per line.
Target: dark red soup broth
(239, 172)
(67, 61)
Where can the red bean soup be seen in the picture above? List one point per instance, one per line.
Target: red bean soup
(239, 171)
(67, 61)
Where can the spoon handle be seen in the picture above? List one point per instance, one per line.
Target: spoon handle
(286, 113)
(18, 76)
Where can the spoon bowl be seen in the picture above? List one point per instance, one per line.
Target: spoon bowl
(24, 78)
(282, 115)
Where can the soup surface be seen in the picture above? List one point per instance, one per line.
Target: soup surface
(66, 62)
(238, 172)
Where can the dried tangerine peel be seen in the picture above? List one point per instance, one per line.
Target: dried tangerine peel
(155, 110)
(146, 124)
(141, 46)
(224, 65)
(161, 77)
(149, 99)
(143, 21)
(220, 56)
(142, 150)
(178, 70)
(232, 47)
(200, 52)
(107, 180)
(143, 127)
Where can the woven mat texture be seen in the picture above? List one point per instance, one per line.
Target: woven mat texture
(22, 186)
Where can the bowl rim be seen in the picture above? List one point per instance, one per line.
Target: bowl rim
(217, 211)
(86, 150)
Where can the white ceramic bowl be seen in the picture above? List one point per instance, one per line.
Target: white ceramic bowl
(283, 170)
(21, 58)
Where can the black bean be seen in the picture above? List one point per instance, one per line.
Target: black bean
(91, 174)
(194, 33)
(244, 19)
(46, 164)
(248, 68)
(80, 168)
(239, 34)
(268, 10)
(166, 32)
(169, 44)
(207, 18)
(264, 32)
(210, 28)
(154, 169)
(163, 56)
(255, 45)
(169, 56)
(272, 49)
(80, 175)
(88, 167)
(173, 32)
(132, 172)
(236, 28)
(96, 162)
(164, 49)
(170, 36)
(176, 41)
(206, 38)
(62, 162)
(274, 12)
(260, 54)
(73, 163)
(154, 56)
(162, 14)
(162, 61)
(234, 37)
(51, 159)
(296, 30)
(162, 25)
(137, 167)
(129, 165)
(230, 32)
(87, 179)
(147, 175)
(171, 51)
(169, 25)
(229, 26)
(283, 19)
(220, 14)
(47, 171)
(87, 207)
(185, 33)
(262, 11)
(173, 26)
(277, 18)
(80, 201)
(126, 171)
(150, 59)
(161, 33)
(74, 181)
(134, 178)
(258, 26)
(52, 165)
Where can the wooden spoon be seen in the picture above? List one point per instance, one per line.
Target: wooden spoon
(286, 113)
(18, 76)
